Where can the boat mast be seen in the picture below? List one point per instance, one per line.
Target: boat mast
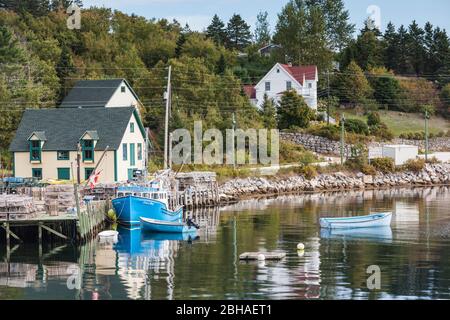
(166, 125)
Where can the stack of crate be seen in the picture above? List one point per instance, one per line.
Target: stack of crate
(17, 207)
(59, 199)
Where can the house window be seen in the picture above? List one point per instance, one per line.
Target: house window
(88, 150)
(139, 151)
(63, 173)
(132, 154)
(132, 127)
(288, 85)
(36, 173)
(88, 173)
(35, 150)
(124, 152)
(122, 89)
(63, 155)
(278, 70)
(267, 86)
(309, 85)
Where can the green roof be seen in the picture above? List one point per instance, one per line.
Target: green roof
(93, 93)
(63, 127)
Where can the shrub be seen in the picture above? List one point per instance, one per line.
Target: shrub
(309, 172)
(369, 170)
(331, 132)
(356, 126)
(414, 165)
(385, 165)
(373, 119)
(382, 131)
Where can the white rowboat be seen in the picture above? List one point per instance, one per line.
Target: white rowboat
(370, 221)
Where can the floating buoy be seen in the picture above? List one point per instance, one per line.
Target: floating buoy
(300, 246)
(261, 257)
(108, 236)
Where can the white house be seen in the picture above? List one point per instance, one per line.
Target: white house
(284, 77)
(97, 117)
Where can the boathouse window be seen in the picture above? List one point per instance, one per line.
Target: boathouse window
(124, 152)
(35, 150)
(88, 150)
(63, 155)
(87, 173)
(139, 151)
(37, 173)
(132, 127)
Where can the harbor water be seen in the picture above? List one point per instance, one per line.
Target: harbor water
(412, 255)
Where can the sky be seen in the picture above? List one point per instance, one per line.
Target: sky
(198, 13)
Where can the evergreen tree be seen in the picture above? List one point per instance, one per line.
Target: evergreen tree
(416, 48)
(293, 112)
(268, 113)
(386, 88)
(390, 55)
(262, 31)
(352, 84)
(10, 52)
(404, 65)
(65, 68)
(216, 31)
(221, 65)
(238, 33)
(180, 43)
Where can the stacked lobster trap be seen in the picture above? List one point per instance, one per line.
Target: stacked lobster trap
(59, 199)
(17, 207)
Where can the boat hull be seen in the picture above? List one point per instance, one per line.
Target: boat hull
(130, 208)
(157, 226)
(371, 221)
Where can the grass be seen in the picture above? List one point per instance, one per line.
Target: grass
(400, 122)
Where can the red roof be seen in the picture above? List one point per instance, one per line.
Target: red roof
(298, 72)
(250, 91)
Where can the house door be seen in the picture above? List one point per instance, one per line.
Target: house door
(63, 173)
(130, 174)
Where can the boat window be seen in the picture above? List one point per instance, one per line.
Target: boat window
(136, 194)
(145, 195)
(120, 194)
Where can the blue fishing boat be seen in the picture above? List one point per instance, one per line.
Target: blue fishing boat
(148, 201)
(159, 226)
(370, 221)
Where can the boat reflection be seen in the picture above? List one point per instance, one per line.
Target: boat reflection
(379, 234)
(140, 254)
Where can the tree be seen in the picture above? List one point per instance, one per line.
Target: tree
(339, 30)
(293, 111)
(416, 47)
(65, 68)
(445, 100)
(268, 113)
(262, 30)
(353, 85)
(180, 43)
(385, 86)
(390, 44)
(301, 31)
(238, 33)
(221, 65)
(216, 31)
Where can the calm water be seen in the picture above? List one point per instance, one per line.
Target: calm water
(414, 255)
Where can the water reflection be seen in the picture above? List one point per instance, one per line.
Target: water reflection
(413, 254)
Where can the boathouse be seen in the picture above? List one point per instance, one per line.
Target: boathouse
(97, 118)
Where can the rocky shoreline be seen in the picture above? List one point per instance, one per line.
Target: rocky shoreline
(237, 189)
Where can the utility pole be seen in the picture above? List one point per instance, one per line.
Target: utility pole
(342, 138)
(78, 163)
(234, 151)
(166, 124)
(328, 102)
(427, 117)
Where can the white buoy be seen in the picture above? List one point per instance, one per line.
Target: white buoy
(300, 246)
(261, 257)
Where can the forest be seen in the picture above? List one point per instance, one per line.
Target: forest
(404, 68)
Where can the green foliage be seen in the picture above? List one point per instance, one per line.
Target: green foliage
(262, 30)
(293, 111)
(384, 165)
(238, 33)
(385, 86)
(310, 172)
(369, 170)
(216, 31)
(353, 85)
(445, 98)
(382, 132)
(356, 126)
(373, 119)
(268, 113)
(416, 165)
(331, 132)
